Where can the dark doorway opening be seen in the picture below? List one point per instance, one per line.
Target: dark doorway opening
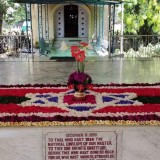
(71, 20)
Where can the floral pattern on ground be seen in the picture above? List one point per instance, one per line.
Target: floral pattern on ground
(93, 101)
(50, 105)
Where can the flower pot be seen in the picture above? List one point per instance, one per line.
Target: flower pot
(79, 96)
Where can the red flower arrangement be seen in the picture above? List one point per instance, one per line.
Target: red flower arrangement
(79, 80)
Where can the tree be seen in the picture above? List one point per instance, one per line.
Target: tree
(3, 9)
(142, 17)
(17, 14)
(11, 12)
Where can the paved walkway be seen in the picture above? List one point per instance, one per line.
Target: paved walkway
(102, 71)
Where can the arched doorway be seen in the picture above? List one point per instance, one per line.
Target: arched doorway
(71, 21)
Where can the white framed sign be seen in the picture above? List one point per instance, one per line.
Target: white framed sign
(81, 144)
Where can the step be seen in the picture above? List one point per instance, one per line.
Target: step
(69, 41)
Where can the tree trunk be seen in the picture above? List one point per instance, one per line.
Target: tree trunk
(1, 21)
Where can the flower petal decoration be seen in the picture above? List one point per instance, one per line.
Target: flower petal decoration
(49, 105)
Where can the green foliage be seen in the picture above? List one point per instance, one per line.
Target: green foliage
(3, 6)
(142, 17)
(11, 13)
(17, 15)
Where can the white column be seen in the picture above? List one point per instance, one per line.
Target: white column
(122, 18)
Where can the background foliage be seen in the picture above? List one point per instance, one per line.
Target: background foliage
(10, 13)
(142, 17)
